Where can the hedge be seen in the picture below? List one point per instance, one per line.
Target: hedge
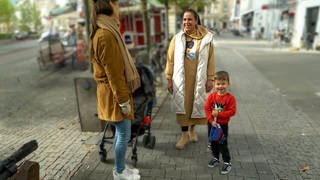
(5, 36)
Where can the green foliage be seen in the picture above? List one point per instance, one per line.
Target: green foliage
(6, 12)
(30, 17)
(186, 4)
(5, 36)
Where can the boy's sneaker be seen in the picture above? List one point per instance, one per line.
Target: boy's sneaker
(213, 162)
(125, 175)
(226, 168)
(209, 147)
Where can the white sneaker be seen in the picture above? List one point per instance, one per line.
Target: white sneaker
(132, 170)
(125, 175)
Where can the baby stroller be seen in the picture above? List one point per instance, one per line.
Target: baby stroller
(144, 99)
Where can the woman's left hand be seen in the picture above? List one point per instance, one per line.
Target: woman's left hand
(209, 85)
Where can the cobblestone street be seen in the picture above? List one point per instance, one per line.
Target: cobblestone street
(47, 114)
(267, 139)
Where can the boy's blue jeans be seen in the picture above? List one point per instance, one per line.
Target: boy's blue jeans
(121, 139)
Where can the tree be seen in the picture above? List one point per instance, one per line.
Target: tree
(147, 23)
(30, 17)
(36, 17)
(6, 13)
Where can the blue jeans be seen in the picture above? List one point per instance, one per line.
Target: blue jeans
(121, 139)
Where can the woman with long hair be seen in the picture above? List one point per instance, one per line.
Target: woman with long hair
(117, 78)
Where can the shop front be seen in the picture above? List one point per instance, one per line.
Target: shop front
(307, 25)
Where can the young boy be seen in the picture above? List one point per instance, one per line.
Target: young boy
(219, 107)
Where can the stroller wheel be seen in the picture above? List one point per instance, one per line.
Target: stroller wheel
(149, 141)
(103, 155)
(134, 160)
(145, 140)
(152, 142)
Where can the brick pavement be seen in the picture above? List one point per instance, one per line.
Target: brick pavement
(267, 140)
(47, 114)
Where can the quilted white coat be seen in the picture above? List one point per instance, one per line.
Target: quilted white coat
(178, 77)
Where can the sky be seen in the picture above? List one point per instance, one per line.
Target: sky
(61, 2)
(13, 1)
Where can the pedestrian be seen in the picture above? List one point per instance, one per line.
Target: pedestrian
(70, 36)
(116, 77)
(276, 38)
(220, 106)
(190, 71)
(261, 35)
(254, 34)
(81, 47)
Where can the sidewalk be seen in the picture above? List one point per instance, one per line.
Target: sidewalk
(261, 44)
(266, 139)
(6, 41)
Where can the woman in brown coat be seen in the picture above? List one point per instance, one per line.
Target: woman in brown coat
(190, 73)
(116, 77)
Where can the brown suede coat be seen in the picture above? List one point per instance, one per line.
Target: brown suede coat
(109, 74)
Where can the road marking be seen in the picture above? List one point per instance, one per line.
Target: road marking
(318, 94)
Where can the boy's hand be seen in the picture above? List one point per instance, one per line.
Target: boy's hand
(214, 124)
(215, 113)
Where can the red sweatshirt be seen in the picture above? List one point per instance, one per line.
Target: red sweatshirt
(225, 104)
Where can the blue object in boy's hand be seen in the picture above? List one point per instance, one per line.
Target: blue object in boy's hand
(216, 134)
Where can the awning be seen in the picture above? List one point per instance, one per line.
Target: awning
(248, 15)
(64, 9)
(289, 12)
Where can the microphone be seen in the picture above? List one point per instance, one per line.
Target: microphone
(18, 155)
(25, 150)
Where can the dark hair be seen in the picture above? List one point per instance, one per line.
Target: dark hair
(194, 13)
(99, 7)
(222, 75)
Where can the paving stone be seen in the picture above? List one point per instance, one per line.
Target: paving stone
(265, 141)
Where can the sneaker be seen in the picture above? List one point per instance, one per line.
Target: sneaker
(226, 168)
(209, 145)
(213, 162)
(209, 148)
(125, 175)
(132, 170)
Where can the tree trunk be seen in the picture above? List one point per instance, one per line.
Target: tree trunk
(147, 26)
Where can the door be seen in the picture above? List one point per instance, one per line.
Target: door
(311, 22)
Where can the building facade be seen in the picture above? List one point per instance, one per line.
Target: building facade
(217, 14)
(307, 24)
(261, 16)
(298, 21)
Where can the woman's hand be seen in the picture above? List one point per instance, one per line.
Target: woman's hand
(125, 107)
(170, 86)
(209, 85)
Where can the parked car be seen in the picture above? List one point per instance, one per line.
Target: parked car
(21, 35)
